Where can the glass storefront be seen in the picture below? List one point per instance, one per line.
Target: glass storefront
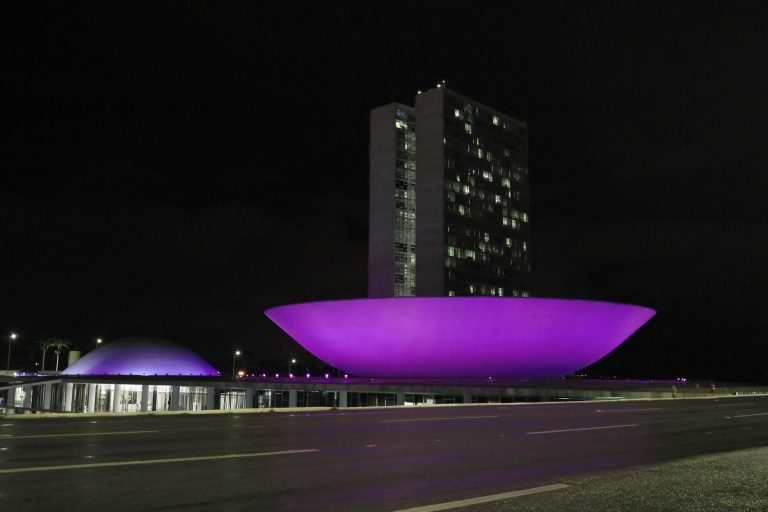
(159, 398)
(192, 398)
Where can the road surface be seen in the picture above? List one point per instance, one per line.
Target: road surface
(357, 460)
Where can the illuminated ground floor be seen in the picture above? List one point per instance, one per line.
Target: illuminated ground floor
(152, 394)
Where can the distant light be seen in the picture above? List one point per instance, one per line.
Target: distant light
(418, 92)
(307, 375)
(237, 352)
(326, 375)
(263, 374)
(290, 375)
(98, 341)
(240, 373)
(293, 361)
(438, 85)
(346, 376)
(13, 335)
(277, 375)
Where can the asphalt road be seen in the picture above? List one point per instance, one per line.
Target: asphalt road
(368, 460)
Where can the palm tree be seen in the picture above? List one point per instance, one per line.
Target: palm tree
(57, 344)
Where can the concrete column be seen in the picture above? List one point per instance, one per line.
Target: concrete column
(117, 398)
(467, 398)
(68, 388)
(10, 401)
(47, 389)
(91, 397)
(399, 398)
(144, 400)
(292, 398)
(210, 398)
(249, 398)
(175, 397)
(343, 398)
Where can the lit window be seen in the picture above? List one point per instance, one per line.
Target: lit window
(451, 251)
(487, 176)
(461, 209)
(487, 237)
(457, 113)
(467, 127)
(465, 189)
(506, 183)
(479, 153)
(471, 288)
(496, 120)
(497, 199)
(501, 292)
(508, 241)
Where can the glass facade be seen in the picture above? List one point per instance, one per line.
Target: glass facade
(405, 204)
(486, 201)
(473, 204)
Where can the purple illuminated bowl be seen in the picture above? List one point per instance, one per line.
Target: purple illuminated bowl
(142, 356)
(460, 337)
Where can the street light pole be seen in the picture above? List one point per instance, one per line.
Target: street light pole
(10, 339)
(237, 353)
(98, 342)
(293, 361)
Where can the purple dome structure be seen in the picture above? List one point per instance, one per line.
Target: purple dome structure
(460, 337)
(142, 356)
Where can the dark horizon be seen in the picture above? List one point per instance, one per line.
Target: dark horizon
(176, 171)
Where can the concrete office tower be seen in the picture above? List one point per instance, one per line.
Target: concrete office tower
(392, 231)
(472, 200)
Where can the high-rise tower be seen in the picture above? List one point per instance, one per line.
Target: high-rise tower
(451, 178)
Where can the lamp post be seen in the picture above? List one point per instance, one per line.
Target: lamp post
(237, 353)
(293, 361)
(98, 342)
(11, 338)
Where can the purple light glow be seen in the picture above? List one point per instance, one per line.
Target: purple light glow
(142, 356)
(460, 337)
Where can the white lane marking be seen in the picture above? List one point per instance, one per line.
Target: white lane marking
(732, 405)
(83, 434)
(370, 445)
(630, 410)
(439, 419)
(150, 461)
(485, 499)
(748, 415)
(580, 429)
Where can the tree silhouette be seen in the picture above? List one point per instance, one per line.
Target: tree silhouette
(57, 344)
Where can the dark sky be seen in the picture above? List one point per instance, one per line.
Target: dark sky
(176, 170)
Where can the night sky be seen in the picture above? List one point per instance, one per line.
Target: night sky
(174, 171)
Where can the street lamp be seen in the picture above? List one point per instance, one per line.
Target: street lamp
(293, 361)
(98, 342)
(11, 338)
(237, 353)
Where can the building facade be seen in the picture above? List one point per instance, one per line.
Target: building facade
(449, 199)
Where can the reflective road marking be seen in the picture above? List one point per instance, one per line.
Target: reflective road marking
(81, 434)
(150, 461)
(580, 429)
(486, 499)
(439, 419)
(748, 415)
(630, 410)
